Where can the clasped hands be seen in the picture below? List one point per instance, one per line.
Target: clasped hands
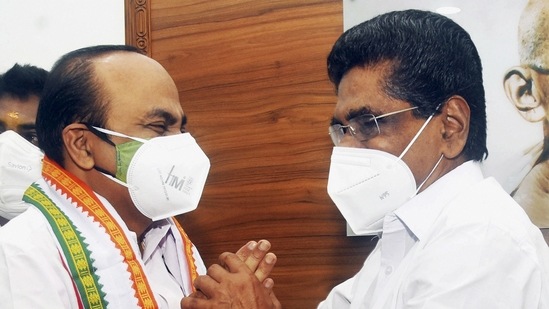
(240, 280)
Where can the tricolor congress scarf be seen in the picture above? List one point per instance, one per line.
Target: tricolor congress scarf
(105, 266)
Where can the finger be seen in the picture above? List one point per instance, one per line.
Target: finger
(258, 253)
(206, 285)
(232, 263)
(265, 266)
(246, 250)
(195, 303)
(217, 272)
(268, 284)
(198, 294)
(276, 302)
(254, 254)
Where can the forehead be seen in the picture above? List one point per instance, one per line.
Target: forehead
(14, 108)
(362, 89)
(534, 33)
(136, 85)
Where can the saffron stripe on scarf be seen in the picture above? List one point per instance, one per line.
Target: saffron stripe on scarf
(191, 263)
(81, 194)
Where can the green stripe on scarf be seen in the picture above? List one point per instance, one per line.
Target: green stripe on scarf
(73, 246)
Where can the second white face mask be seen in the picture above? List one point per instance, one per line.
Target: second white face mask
(366, 184)
(20, 166)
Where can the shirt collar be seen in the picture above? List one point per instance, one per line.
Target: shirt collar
(420, 213)
(154, 237)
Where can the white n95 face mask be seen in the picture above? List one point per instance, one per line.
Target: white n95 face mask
(366, 184)
(20, 166)
(166, 175)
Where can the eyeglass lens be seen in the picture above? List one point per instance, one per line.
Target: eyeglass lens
(362, 128)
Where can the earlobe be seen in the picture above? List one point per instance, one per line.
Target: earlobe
(77, 146)
(456, 119)
(521, 91)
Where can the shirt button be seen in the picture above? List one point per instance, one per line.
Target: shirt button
(388, 270)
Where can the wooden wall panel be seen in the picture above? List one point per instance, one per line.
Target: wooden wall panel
(252, 79)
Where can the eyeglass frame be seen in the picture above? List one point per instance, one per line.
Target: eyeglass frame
(353, 131)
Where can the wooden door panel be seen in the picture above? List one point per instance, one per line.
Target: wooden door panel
(252, 79)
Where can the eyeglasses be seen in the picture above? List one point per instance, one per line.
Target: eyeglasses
(363, 127)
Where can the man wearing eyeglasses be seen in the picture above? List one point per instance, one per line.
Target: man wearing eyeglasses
(527, 87)
(409, 130)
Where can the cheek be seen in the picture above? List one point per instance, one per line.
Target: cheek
(394, 145)
(543, 89)
(351, 142)
(394, 138)
(105, 157)
(424, 158)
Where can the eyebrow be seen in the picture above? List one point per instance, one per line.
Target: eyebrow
(167, 116)
(539, 69)
(352, 114)
(22, 126)
(27, 126)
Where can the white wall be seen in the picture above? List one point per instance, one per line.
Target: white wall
(38, 32)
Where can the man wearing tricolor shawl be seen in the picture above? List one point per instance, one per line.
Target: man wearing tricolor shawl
(118, 166)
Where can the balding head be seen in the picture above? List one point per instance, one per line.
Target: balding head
(534, 34)
(73, 93)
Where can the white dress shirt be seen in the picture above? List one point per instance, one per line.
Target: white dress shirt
(461, 243)
(169, 279)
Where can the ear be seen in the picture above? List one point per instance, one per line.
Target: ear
(456, 116)
(521, 91)
(77, 145)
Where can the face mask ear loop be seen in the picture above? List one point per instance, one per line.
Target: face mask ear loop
(118, 181)
(120, 134)
(415, 137)
(419, 132)
(431, 173)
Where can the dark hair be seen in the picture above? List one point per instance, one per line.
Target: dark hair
(72, 94)
(22, 81)
(432, 59)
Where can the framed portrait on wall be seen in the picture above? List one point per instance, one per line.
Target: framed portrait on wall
(516, 80)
